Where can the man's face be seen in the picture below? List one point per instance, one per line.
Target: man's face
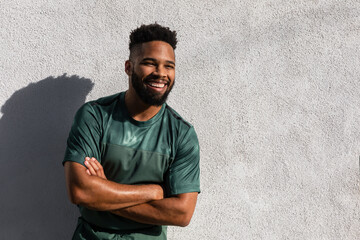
(153, 72)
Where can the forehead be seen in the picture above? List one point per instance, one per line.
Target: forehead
(158, 50)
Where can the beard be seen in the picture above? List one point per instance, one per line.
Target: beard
(147, 96)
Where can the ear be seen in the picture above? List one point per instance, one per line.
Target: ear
(128, 67)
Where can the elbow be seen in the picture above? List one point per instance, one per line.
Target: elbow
(185, 212)
(81, 197)
(184, 220)
(76, 196)
(184, 223)
(75, 200)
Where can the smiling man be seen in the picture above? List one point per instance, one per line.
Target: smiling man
(132, 163)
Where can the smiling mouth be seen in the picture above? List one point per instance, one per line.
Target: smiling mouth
(156, 85)
(159, 85)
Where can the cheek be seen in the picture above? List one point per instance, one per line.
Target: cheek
(171, 75)
(172, 81)
(172, 78)
(145, 71)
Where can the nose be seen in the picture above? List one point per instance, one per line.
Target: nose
(160, 71)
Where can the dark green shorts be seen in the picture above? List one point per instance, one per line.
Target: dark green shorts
(85, 231)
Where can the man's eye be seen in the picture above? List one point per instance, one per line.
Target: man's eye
(149, 63)
(169, 66)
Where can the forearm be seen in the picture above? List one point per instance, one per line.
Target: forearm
(103, 195)
(168, 211)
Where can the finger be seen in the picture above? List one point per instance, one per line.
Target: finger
(99, 168)
(94, 166)
(93, 163)
(87, 164)
(90, 168)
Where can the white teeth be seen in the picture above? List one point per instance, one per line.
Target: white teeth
(158, 85)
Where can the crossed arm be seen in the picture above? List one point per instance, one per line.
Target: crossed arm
(88, 186)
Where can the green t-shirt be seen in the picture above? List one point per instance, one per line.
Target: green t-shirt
(164, 149)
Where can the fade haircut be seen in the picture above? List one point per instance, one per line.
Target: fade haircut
(152, 32)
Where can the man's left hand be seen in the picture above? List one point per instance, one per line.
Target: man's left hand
(94, 168)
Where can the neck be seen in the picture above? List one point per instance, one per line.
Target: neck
(137, 109)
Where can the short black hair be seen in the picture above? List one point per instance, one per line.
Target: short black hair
(152, 32)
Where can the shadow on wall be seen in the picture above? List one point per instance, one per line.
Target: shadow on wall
(33, 131)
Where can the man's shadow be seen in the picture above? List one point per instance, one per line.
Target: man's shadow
(33, 131)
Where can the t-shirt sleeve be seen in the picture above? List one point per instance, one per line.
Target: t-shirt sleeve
(84, 137)
(184, 173)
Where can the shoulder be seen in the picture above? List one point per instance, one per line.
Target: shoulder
(184, 129)
(105, 101)
(101, 104)
(98, 109)
(175, 117)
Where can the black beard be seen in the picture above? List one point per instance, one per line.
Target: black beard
(146, 96)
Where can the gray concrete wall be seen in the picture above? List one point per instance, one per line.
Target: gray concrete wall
(272, 88)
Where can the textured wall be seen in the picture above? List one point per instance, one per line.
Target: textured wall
(272, 88)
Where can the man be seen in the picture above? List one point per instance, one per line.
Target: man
(132, 163)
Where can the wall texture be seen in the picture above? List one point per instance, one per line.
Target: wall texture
(272, 88)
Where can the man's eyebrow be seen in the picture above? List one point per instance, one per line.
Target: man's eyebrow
(154, 60)
(149, 59)
(171, 62)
